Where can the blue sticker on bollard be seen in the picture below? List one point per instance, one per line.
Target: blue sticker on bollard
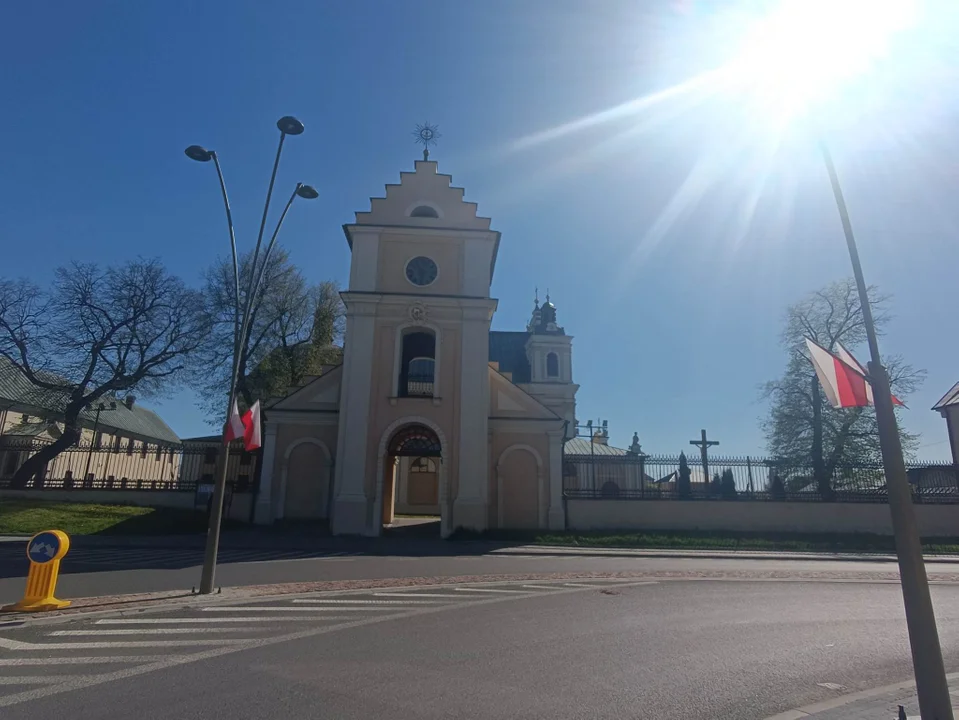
(43, 547)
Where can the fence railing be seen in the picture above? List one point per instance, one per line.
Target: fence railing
(88, 467)
(650, 477)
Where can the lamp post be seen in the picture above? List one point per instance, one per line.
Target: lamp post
(935, 702)
(287, 125)
(96, 422)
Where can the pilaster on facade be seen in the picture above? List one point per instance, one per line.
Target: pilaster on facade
(263, 513)
(557, 512)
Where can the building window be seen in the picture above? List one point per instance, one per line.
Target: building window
(209, 456)
(424, 211)
(144, 448)
(130, 447)
(116, 444)
(24, 419)
(245, 458)
(171, 456)
(98, 441)
(159, 453)
(422, 465)
(417, 364)
(552, 365)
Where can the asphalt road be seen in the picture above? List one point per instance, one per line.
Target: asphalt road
(662, 649)
(99, 570)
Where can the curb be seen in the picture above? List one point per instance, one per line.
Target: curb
(810, 711)
(712, 554)
(165, 600)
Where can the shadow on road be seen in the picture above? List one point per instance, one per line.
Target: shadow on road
(407, 537)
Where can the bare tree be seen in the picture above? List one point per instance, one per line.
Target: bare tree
(293, 330)
(802, 428)
(96, 332)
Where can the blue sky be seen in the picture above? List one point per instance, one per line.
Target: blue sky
(672, 237)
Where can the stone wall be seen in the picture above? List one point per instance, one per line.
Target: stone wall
(746, 516)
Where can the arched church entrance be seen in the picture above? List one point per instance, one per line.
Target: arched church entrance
(411, 477)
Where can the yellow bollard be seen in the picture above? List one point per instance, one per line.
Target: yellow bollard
(45, 550)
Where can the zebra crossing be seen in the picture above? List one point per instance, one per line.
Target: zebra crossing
(37, 660)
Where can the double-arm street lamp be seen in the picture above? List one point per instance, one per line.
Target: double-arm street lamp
(241, 316)
(931, 685)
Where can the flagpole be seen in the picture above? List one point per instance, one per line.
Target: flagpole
(935, 703)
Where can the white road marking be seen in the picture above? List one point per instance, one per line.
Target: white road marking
(582, 585)
(187, 620)
(83, 660)
(322, 601)
(39, 679)
(144, 631)
(284, 608)
(20, 645)
(541, 587)
(414, 595)
(168, 661)
(491, 590)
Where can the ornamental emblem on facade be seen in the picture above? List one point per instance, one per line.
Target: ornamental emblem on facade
(418, 312)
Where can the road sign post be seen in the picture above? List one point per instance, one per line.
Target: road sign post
(44, 551)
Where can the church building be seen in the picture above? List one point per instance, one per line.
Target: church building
(430, 409)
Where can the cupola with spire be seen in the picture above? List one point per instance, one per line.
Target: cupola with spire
(544, 318)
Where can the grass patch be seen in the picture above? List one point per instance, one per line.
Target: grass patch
(692, 540)
(28, 516)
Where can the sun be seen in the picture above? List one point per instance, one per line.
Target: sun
(807, 52)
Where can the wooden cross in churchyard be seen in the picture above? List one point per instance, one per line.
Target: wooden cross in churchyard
(704, 445)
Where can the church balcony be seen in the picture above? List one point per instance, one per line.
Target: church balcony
(418, 386)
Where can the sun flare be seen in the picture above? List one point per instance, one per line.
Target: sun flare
(807, 52)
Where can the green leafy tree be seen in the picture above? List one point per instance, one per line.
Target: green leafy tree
(683, 485)
(728, 485)
(775, 486)
(294, 330)
(715, 486)
(802, 429)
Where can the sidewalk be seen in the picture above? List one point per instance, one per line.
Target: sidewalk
(878, 704)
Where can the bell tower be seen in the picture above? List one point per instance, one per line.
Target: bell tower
(550, 353)
(418, 312)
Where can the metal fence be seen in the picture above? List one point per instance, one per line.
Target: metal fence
(143, 466)
(655, 477)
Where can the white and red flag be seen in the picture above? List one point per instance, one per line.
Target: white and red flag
(234, 426)
(251, 428)
(842, 378)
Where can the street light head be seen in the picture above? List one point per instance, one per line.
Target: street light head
(308, 192)
(289, 125)
(198, 153)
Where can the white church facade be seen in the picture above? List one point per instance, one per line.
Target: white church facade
(430, 409)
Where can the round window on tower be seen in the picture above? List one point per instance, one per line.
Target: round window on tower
(421, 271)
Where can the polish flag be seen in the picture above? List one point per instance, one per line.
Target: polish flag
(234, 426)
(842, 378)
(251, 428)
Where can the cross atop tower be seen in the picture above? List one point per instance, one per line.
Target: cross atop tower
(426, 135)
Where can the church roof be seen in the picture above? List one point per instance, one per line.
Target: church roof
(508, 348)
(581, 446)
(17, 391)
